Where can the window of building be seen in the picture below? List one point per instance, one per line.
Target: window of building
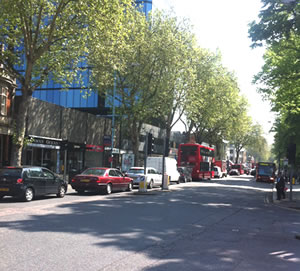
(3, 101)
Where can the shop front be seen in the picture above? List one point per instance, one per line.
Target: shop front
(43, 151)
(94, 155)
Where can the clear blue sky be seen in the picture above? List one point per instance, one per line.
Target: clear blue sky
(223, 25)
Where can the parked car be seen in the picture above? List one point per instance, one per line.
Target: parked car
(154, 178)
(28, 182)
(218, 172)
(100, 179)
(234, 171)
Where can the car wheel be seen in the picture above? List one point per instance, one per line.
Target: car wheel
(129, 188)
(28, 194)
(108, 189)
(61, 192)
(150, 185)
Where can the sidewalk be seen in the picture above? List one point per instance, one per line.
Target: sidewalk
(287, 203)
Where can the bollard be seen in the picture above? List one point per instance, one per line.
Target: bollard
(165, 182)
(143, 184)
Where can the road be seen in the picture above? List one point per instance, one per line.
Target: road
(214, 225)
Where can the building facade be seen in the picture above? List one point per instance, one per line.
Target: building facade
(7, 93)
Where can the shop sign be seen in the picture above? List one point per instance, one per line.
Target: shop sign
(115, 150)
(45, 141)
(94, 148)
(107, 140)
(40, 142)
(75, 146)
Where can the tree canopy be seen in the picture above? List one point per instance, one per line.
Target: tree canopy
(44, 39)
(279, 79)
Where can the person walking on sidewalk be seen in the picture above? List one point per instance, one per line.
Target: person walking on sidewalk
(280, 186)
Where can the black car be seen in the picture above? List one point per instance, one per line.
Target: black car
(27, 182)
(234, 171)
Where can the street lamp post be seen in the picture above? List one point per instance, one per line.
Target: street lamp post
(113, 119)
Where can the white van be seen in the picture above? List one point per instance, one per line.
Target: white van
(170, 167)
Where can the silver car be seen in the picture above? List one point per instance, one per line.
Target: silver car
(154, 178)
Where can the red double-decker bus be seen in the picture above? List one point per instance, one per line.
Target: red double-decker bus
(197, 157)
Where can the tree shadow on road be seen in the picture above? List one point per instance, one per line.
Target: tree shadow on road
(190, 228)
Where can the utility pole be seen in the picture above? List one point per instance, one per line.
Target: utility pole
(113, 119)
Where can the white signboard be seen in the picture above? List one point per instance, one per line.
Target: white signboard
(127, 161)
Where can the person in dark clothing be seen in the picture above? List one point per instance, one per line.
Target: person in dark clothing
(280, 186)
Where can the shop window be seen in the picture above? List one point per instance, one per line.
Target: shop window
(3, 101)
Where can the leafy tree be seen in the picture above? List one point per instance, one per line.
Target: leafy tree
(151, 72)
(45, 38)
(212, 102)
(280, 75)
(241, 133)
(279, 28)
(178, 48)
(258, 148)
(278, 19)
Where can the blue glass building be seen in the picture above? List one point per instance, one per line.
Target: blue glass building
(53, 92)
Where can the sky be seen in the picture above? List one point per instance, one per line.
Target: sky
(223, 25)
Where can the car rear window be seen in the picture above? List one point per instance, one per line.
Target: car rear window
(94, 171)
(136, 171)
(13, 172)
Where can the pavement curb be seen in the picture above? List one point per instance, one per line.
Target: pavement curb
(285, 203)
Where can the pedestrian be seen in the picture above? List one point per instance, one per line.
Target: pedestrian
(280, 186)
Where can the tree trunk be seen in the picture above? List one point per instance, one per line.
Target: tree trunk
(20, 129)
(237, 157)
(135, 141)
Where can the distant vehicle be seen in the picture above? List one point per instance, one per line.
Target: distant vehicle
(170, 167)
(247, 170)
(234, 171)
(265, 172)
(239, 167)
(185, 174)
(218, 172)
(28, 182)
(253, 172)
(197, 157)
(153, 177)
(101, 180)
(222, 164)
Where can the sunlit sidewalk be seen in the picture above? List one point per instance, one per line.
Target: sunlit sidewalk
(290, 201)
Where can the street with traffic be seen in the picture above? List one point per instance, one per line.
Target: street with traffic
(219, 224)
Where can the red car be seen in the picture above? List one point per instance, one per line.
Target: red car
(101, 180)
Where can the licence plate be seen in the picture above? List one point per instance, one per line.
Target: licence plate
(85, 180)
(4, 189)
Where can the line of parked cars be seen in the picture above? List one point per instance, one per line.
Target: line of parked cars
(28, 182)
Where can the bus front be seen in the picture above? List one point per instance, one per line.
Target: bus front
(265, 172)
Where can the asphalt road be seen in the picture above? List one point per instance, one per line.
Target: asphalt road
(215, 225)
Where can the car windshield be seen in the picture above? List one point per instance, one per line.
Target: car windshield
(136, 170)
(13, 172)
(94, 171)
